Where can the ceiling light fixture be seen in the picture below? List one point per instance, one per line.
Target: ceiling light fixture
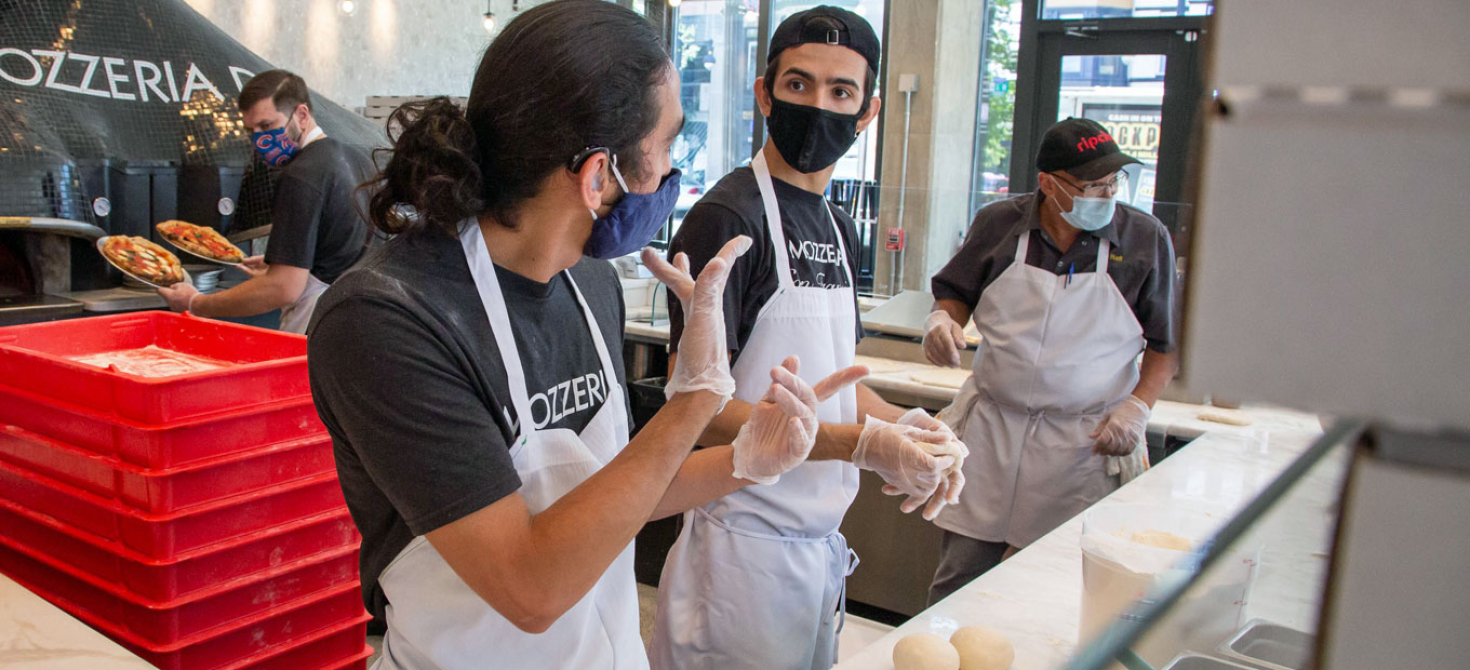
(348, 7)
(489, 19)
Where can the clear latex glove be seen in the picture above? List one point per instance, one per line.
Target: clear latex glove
(948, 492)
(704, 357)
(1122, 430)
(893, 451)
(918, 418)
(782, 428)
(943, 339)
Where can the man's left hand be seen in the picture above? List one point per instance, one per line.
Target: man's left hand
(179, 295)
(1122, 431)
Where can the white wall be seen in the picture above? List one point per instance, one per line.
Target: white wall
(386, 47)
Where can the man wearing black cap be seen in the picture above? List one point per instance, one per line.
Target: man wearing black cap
(1067, 287)
(755, 579)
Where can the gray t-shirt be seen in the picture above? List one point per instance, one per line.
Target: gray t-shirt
(1141, 261)
(410, 384)
(317, 219)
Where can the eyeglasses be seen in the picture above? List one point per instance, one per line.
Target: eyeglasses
(1119, 182)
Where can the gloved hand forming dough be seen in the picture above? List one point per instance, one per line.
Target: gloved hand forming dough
(948, 492)
(943, 339)
(1122, 430)
(782, 427)
(704, 357)
(894, 452)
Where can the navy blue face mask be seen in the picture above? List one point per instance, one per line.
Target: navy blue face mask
(634, 220)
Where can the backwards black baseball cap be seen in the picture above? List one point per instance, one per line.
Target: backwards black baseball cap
(827, 25)
(1083, 148)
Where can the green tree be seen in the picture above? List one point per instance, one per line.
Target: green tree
(1000, 62)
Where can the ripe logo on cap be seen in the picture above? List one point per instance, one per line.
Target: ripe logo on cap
(1090, 143)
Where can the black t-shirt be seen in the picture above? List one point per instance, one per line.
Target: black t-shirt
(317, 219)
(733, 207)
(1141, 260)
(410, 384)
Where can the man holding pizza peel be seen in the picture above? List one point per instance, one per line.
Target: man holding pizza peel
(317, 230)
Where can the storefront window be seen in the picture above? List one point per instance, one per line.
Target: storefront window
(1122, 9)
(715, 51)
(997, 104)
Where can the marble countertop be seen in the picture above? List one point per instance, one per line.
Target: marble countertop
(1035, 596)
(35, 634)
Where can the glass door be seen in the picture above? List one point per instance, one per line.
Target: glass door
(1144, 86)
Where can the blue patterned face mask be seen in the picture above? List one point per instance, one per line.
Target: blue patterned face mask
(275, 146)
(634, 220)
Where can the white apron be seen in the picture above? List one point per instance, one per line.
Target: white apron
(295, 316)
(436, 621)
(1056, 354)
(756, 578)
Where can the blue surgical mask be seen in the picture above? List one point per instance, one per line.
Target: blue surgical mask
(1089, 214)
(275, 146)
(634, 220)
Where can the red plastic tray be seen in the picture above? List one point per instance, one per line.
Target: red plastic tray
(263, 365)
(187, 574)
(320, 654)
(170, 621)
(166, 536)
(166, 490)
(161, 446)
(290, 636)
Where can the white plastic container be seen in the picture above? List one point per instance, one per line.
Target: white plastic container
(1118, 571)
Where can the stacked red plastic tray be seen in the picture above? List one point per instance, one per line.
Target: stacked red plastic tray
(195, 518)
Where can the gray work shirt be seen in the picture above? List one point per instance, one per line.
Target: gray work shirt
(1141, 261)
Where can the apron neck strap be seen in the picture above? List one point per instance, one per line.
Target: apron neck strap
(1103, 248)
(1022, 245)
(482, 269)
(778, 232)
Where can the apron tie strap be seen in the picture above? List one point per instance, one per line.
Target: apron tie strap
(852, 561)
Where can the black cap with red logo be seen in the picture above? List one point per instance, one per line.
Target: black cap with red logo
(1083, 148)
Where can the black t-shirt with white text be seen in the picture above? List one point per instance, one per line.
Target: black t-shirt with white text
(408, 379)
(733, 207)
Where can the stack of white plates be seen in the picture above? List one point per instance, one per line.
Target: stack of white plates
(206, 277)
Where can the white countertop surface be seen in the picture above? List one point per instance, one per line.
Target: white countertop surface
(35, 634)
(1035, 596)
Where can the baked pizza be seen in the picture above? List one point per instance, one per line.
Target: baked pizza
(143, 259)
(200, 240)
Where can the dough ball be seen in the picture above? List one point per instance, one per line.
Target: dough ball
(983, 648)
(925, 651)
(1161, 539)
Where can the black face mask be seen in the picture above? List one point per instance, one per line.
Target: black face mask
(810, 139)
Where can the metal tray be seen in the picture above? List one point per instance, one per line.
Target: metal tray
(1271, 646)
(103, 240)
(202, 257)
(1193, 661)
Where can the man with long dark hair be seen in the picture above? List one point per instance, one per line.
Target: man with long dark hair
(469, 374)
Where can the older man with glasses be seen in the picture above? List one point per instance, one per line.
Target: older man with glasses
(1067, 287)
